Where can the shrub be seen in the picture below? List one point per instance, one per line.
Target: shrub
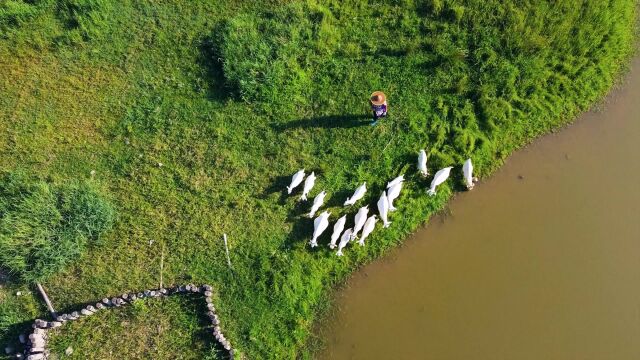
(43, 228)
(263, 57)
(14, 12)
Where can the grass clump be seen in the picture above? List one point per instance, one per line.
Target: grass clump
(44, 228)
(263, 55)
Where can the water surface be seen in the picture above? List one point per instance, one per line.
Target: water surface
(541, 261)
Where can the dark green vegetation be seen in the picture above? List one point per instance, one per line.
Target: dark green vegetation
(194, 116)
(44, 229)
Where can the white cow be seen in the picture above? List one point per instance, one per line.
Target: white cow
(467, 171)
(296, 179)
(393, 194)
(317, 202)
(383, 209)
(308, 185)
(441, 176)
(337, 230)
(357, 195)
(361, 217)
(368, 228)
(395, 181)
(346, 237)
(422, 163)
(320, 224)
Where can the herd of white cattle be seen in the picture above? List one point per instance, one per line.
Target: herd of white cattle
(363, 223)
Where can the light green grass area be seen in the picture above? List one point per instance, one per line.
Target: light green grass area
(141, 331)
(194, 115)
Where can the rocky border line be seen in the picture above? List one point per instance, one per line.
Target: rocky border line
(36, 342)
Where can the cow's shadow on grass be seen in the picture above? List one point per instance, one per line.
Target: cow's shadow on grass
(302, 228)
(327, 122)
(216, 87)
(279, 185)
(339, 197)
(12, 333)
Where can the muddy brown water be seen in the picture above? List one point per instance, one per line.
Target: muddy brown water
(541, 261)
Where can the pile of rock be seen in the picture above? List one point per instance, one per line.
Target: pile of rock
(36, 342)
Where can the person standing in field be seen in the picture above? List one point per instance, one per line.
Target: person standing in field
(378, 102)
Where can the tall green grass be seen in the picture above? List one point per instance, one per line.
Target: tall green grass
(233, 97)
(44, 229)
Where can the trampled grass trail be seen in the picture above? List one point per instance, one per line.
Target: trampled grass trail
(191, 117)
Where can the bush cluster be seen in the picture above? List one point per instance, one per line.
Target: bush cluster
(43, 227)
(265, 56)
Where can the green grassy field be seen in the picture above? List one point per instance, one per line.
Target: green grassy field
(193, 116)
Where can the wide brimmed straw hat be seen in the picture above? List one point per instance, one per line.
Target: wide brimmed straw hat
(378, 98)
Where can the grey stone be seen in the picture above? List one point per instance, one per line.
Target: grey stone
(36, 337)
(40, 323)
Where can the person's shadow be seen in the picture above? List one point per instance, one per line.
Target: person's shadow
(327, 122)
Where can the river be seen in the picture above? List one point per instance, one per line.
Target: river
(540, 261)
